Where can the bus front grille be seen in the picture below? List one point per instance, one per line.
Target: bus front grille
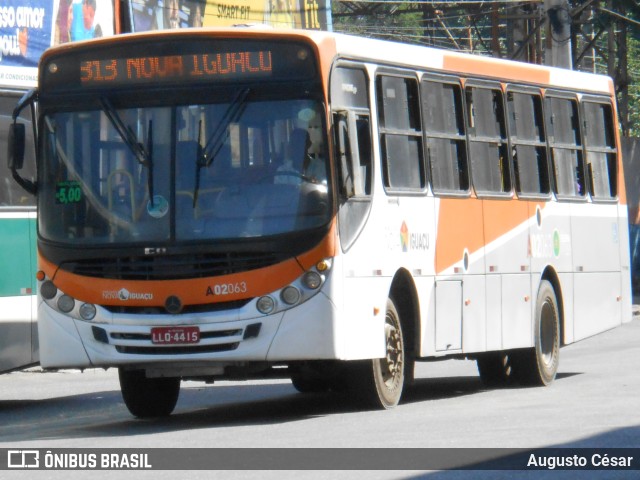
(172, 267)
(161, 310)
(179, 350)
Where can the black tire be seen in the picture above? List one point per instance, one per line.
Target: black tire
(539, 365)
(379, 382)
(496, 369)
(148, 397)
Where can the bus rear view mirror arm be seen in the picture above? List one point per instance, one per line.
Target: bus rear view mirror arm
(15, 155)
(15, 146)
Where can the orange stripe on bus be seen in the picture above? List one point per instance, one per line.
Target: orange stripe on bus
(502, 216)
(459, 228)
(153, 293)
(495, 68)
(470, 224)
(622, 191)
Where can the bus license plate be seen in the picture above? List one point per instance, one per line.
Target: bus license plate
(175, 335)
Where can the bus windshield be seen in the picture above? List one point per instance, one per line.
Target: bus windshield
(235, 169)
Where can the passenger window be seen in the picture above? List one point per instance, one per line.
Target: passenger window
(563, 125)
(443, 115)
(400, 133)
(528, 144)
(601, 150)
(488, 141)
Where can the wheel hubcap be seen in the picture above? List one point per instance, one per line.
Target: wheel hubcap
(547, 333)
(392, 365)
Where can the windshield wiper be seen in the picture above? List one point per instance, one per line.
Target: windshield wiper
(205, 155)
(143, 155)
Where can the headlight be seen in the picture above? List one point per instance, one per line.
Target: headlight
(312, 280)
(265, 305)
(66, 303)
(300, 290)
(290, 295)
(63, 303)
(87, 311)
(48, 290)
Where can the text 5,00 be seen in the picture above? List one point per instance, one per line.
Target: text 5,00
(227, 288)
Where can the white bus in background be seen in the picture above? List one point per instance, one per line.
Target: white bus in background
(18, 328)
(28, 28)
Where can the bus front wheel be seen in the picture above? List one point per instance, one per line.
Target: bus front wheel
(380, 381)
(148, 397)
(540, 363)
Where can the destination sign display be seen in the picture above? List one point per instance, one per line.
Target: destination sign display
(230, 65)
(183, 62)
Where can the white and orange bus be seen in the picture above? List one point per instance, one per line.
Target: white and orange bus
(241, 203)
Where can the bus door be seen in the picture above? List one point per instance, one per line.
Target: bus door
(359, 223)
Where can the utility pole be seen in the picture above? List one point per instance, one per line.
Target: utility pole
(517, 35)
(523, 36)
(558, 49)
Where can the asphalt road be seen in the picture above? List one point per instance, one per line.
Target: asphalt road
(594, 403)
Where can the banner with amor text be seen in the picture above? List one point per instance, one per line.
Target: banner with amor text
(29, 27)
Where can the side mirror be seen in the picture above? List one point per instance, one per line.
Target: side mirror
(15, 146)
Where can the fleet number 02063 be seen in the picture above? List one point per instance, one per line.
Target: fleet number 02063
(222, 289)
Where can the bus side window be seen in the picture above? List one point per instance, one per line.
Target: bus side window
(443, 114)
(528, 144)
(600, 149)
(400, 133)
(353, 144)
(565, 144)
(487, 141)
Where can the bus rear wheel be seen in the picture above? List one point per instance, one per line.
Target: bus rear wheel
(539, 364)
(380, 382)
(148, 397)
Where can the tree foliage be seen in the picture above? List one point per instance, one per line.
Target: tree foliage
(634, 85)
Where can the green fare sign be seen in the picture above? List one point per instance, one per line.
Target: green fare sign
(68, 192)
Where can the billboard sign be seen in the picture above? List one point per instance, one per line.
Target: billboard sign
(165, 14)
(29, 27)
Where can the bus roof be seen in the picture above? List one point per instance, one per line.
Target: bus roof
(332, 45)
(447, 61)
